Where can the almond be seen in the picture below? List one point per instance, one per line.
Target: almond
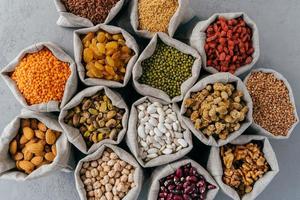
(13, 147)
(32, 141)
(27, 155)
(49, 156)
(57, 133)
(34, 124)
(23, 140)
(28, 133)
(18, 156)
(27, 166)
(53, 148)
(17, 165)
(37, 160)
(42, 142)
(45, 162)
(35, 148)
(25, 123)
(39, 134)
(42, 127)
(50, 137)
(42, 153)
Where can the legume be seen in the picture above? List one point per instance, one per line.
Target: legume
(34, 145)
(243, 165)
(94, 10)
(105, 55)
(155, 15)
(159, 131)
(217, 110)
(108, 177)
(185, 183)
(41, 77)
(272, 107)
(96, 118)
(167, 69)
(228, 44)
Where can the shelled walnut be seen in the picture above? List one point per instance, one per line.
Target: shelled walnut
(243, 165)
(217, 110)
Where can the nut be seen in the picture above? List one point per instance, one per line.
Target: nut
(27, 166)
(29, 155)
(96, 118)
(243, 165)
(13, 147)
(37, 160)
(28, 133)
(50, 137)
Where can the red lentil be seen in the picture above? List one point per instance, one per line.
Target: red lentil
(41, 77)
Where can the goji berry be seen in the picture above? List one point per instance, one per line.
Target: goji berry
(228, 44)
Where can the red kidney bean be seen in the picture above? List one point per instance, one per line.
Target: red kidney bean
(184, 184)
(228, 44)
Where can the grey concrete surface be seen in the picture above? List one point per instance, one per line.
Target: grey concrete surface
(25, 22)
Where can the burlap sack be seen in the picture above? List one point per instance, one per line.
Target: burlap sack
(78, 49)
(70, 88)
(67, 19)
(137, 71)
(260, 129)
(62, 162)
(198, 37)
(182, 15)
(223, 78)
(170, 168)
(131, 136)
(214, 166)
(74, 135)
(122, 154)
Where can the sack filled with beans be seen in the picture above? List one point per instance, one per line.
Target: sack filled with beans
(156, 134)
(274, 109)
(244, 167)
(42, 77)
(95, 116)
(105, 55)
(217, 109)
(33, 145)
(166, 69)
(183, 179)
(109, 173)
(227, 42)
(87, 13)
(148, 17)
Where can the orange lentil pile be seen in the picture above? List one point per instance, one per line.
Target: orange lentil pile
(41, 77)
